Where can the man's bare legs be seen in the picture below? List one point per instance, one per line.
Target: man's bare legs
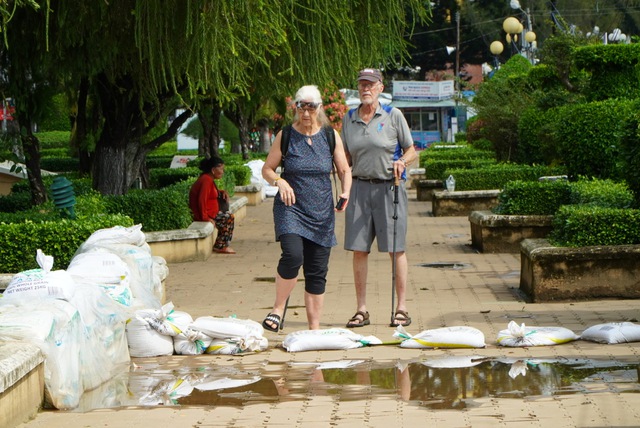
(402, 269)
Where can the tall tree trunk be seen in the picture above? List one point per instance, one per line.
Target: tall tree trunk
(237, 116)
(210, 119)
(79, 134)
(265, 136)
(123, 122)
(120, 152)
(31, 146)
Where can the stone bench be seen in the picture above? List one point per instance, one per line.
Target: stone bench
(463, 203)
(21, 382)
(254, 193)
(413, 176)
(425, 188)
(550, 273)
(193, 243)
(495, 233)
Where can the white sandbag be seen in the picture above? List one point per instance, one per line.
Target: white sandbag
(146, 291)
(132, 235)
(160, 269)
(228, 328)
(61, 339)
(520, 336)
(39, 283)
(145, 341)
(237, 346)
(99, 267)
(162, 320)
(189, 341)
(333, 338)
(612, 332)
(103, 268)
(446, 337)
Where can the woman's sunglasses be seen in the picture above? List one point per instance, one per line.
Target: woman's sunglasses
(303, 105)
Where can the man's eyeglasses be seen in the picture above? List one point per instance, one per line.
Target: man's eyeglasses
(307, 106)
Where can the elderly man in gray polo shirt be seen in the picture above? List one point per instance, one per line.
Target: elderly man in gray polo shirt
(379, 147)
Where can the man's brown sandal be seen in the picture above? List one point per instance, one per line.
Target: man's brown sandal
(401, 318)
(360, 319)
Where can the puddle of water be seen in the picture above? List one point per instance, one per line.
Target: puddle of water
(446, 265)
(443, 383)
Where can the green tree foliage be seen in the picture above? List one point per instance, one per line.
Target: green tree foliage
(142, 59)
(500, 102)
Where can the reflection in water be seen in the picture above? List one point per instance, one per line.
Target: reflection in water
(444, 383)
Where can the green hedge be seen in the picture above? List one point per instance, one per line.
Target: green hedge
(546, 197)
(602, 193)
(497, 176)
(435, 169)
(584, 225)
(59, 239)
(163, 209)
(60, 164)
(54, 139)
(533, 197)
(444, 152)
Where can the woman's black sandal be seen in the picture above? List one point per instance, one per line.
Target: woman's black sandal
(272, 322)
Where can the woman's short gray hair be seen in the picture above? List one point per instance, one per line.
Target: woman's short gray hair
(309, 93)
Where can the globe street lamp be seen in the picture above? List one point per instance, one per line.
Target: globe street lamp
(496, 49)
(514, 28)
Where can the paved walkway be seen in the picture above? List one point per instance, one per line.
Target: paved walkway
(479, 290)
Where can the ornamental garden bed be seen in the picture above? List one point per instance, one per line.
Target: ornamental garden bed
(496, 233)
(463, 203)
(550, 273)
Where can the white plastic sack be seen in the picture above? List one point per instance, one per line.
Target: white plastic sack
(613, 332)
(39, 283)
(146, 290)
(98, 267)
(237, 346)
(132, 235)
(189, 341)
(145, 341)
(228, 328)
(162, 320)
(104, 269)
(446, 337)
(520, 336)
(333, 338)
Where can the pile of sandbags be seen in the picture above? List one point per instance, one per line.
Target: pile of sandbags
(77, 316)
(156, 332)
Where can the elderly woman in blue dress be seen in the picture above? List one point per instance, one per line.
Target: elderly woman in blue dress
(304, 208)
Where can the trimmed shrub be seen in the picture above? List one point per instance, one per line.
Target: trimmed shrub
(435, 169)
(585, 225)
(497, 176)
(163, 209)
(59, 239)
(54, 139)
(533, 197)
(60, 164)
(603, 193)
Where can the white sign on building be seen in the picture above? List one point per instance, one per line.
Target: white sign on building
(409, 90)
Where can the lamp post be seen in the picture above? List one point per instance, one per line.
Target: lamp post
(496, 49)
